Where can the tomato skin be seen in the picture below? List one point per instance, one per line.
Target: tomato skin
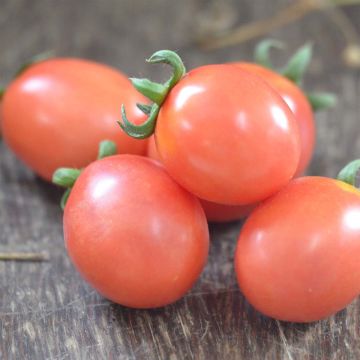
(227, 136)
(299, 105)
(214, 212)
(297, 257)
(57, 111)
(133, 233)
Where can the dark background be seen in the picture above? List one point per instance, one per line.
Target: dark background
(46, 310)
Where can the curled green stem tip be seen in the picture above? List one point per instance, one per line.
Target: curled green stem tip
(262, 51)
(349, 172)
(156, 92)
(174, 60)
(298, 63)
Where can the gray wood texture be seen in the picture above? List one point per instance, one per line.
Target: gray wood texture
(46, 310)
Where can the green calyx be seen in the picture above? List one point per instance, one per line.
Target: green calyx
(34, 60)
(155, 92)
(66, 177)
(262, 52)
(298, 64)
(349, 173)
(321, 100)
(294, 70)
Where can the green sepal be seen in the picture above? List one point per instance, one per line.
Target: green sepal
(298, 63)
(146, 109)
(106, 148)
(262, 52)
(142, 131)
(349, 172)
(154, 91)
(2, 92)
(34, 60)
(65, 177)
(64, 198)
(322, 100)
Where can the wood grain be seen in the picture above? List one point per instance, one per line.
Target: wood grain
(46, 310)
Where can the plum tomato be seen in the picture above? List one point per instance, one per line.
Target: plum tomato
(297, 257)
(299, 105)
(133, 233)
(223, 133)
(214, 212)
(56, 112)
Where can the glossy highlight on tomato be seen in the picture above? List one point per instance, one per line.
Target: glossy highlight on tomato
(299, 105)
(297, 257)
(214, 212)
(56, 112)
(133, 233)
(227, 136)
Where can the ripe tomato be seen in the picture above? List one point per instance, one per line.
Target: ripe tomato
(57, 111)
(298, 103)
(297, 257)
(133, 233)
(227, 136)
(214, 212)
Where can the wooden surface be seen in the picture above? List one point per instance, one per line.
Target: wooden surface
(46, 310)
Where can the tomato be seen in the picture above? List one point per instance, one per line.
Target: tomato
(214, 212)
(297, 257)
(298, 103)
(133, 233)
(227, 136)
(57, 111)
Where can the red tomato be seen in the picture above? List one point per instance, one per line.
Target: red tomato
(133, 233)
(214, 212)
(227, 136)
(57, 111)
(297, 257)
(298, 103)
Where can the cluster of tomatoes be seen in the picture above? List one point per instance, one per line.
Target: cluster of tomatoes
(229, 140)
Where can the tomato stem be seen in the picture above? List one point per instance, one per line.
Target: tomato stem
(66, 177)
(349, 173)
(156, 92)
